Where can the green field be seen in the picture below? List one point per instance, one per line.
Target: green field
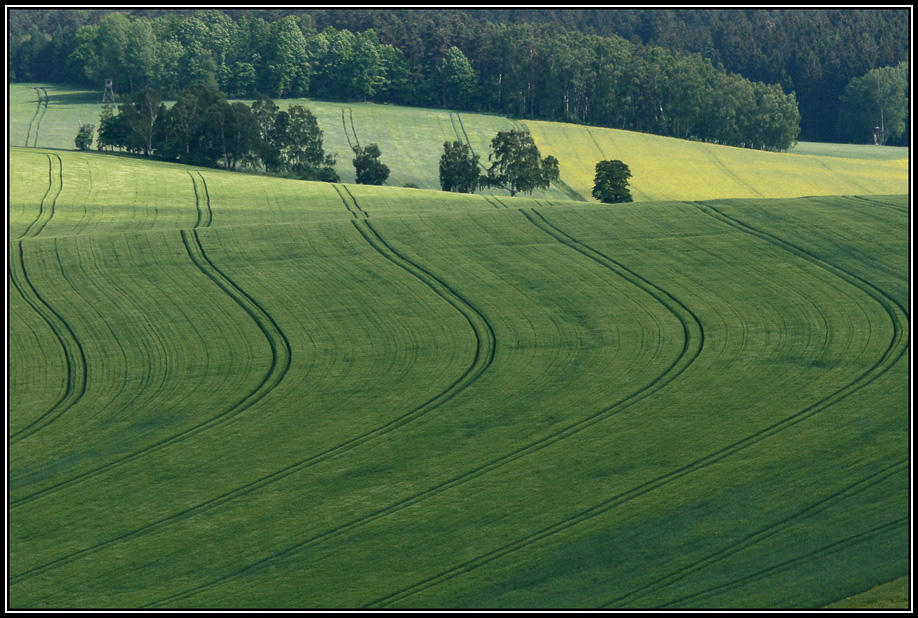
(411, 141)
(229, 390)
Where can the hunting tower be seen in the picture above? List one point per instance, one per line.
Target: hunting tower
(109, 95)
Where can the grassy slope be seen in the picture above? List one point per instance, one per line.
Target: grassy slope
(411, 141)
(269, 393)
(664, 168)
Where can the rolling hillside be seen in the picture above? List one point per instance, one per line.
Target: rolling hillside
(411, 141)
(228, 390)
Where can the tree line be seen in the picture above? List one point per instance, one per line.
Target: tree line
(520, 70)
(203, 128)
(814, 54)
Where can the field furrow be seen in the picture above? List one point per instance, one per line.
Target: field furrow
(74, 357)
(833, 499)
(560, 434)
(46, 208)
(891, 354)
(253, 392)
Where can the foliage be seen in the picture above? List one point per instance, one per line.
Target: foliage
(517, 165)
(611, 183)
(299, 140)
(878, 100)
(370, 170)
(84, 136)
(458, 168)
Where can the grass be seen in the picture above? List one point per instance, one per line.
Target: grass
(266, 393)
(665, 168)
(411, 141)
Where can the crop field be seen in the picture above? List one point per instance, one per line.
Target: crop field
(411, 141)
(664, 168)
(228, 390)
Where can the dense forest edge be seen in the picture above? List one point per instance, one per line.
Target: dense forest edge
(757, 79)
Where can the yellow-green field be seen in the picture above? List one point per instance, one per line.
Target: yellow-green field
(664, 168)
(411, 141)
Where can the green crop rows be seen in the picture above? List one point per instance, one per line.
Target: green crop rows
(229, 390)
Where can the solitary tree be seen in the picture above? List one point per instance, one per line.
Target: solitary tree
(84, 136)
(370, 171)
(458, 168)
(611, 182)
(517, 165)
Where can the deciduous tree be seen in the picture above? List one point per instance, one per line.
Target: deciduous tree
(517, 165)
(370, 170)
(458, 168)
(611, 182)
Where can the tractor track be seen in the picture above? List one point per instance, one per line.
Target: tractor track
(485, 345)
(893, 352)
(205, 213)
(837, 545)
(691, 348)
(831, 500)
(350, 202)
(74, 355)
(280, 363)
(49, 200)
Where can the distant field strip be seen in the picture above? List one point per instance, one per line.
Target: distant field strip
(411, 143)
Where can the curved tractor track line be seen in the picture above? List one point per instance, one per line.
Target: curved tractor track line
(344, 126)
(486, 344)
(280, 363)
(693, 341)
(900, 210)
(484, 355)
(709, 151)
(353, 130)
(351, 204)
(840, 544)
(896, 348)
(350, 113)
(34, 116)
(49, 200)
(489, 201)
(205, 213)
(838, 496)
(461, 135)
(74, 356)
(43, 104)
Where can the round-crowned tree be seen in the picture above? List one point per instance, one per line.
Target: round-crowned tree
(610, 185)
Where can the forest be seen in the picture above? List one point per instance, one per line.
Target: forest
(758, 79)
